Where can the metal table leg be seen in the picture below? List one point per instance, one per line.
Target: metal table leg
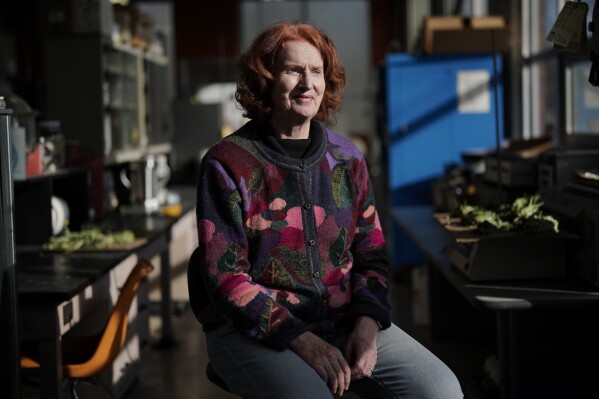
(507, 348)
(51, 369)
(166, 308)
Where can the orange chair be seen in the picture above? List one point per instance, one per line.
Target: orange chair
(111, 340)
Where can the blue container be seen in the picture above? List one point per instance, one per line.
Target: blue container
(435, 108)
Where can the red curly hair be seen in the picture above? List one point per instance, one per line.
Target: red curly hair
(257, 65)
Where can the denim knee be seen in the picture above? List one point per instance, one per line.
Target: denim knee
(409, 370)
(441, 384)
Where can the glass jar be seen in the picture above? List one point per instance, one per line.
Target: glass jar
(54, 145)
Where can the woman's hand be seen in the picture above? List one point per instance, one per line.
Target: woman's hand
(360, 349)
(323, 357)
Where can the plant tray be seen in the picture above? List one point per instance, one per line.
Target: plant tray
(504, 256)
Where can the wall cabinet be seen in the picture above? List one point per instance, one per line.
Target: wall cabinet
(107, 96)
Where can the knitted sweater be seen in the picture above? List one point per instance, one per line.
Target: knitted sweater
(289, 245)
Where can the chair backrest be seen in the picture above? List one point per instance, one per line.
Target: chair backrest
(114, 333)
(198, 297)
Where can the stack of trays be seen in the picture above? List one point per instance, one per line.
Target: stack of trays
(514, 172)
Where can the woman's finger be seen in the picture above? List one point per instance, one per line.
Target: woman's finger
(346, 373)
(340, 374)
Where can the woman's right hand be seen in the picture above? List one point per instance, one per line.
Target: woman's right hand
(327, 360)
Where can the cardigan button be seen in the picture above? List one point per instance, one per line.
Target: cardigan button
(324, 303)
(316, 274)
(307, 205)
(312, 242)
(302, 165)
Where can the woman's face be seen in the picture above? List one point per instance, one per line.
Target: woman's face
(298, 83)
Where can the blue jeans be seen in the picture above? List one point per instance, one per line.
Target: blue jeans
(253, 370)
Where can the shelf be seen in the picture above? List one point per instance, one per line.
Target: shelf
(58, 174)
(127, 155)
(156, 58)
(114, 107)
(163, 148)
(122, 107)
(126, 49)
(122, 73)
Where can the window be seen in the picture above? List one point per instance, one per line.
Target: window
(558, 100)
(582, 99)
(541, 99)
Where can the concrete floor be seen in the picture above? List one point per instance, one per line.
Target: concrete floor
(178, 372)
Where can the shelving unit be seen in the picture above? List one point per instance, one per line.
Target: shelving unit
(157, 117)
(112, 105)
(121, 99)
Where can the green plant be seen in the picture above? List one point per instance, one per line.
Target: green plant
(90, 238)
(524, 215)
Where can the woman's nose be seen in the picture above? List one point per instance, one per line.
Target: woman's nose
(305, 79)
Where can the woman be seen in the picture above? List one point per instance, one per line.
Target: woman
(293, 256)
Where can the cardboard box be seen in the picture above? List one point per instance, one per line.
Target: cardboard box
(464, 35)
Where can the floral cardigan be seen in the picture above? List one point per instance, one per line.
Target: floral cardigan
(289, 245)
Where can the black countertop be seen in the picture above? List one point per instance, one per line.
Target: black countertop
(418, 222)
(58, 276)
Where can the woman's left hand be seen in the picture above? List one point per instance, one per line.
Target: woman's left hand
(360, 349)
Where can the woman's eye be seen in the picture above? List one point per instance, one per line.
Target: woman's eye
(300, 71)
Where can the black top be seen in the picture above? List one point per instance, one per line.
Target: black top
(293, 148)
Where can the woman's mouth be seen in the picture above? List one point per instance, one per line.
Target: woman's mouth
(302, 98)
